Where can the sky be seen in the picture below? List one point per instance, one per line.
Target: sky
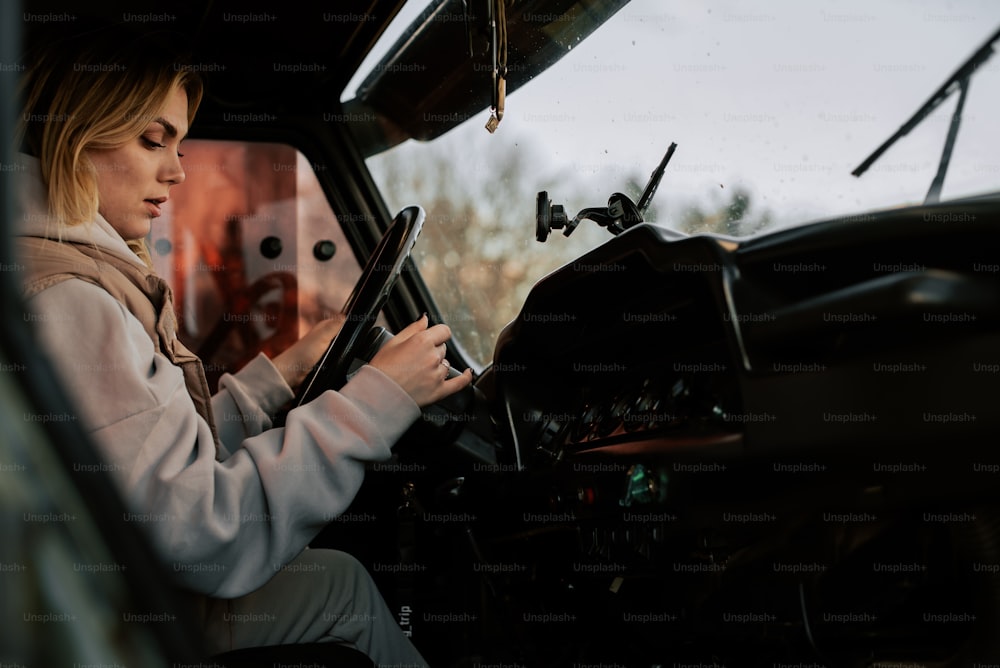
(781, 98)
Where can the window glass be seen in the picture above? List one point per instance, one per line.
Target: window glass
(772, 106)
(252, 250)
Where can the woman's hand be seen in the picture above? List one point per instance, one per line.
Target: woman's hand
(296, 361)
(415, 359)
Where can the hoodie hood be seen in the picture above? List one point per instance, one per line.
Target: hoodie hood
(32, 218)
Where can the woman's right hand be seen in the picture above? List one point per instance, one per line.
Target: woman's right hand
(415, 359)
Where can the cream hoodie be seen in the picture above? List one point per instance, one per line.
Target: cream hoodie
(223, 528)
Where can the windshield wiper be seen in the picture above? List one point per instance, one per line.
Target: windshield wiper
(957, 81)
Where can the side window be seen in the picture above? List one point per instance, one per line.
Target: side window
(252, 250)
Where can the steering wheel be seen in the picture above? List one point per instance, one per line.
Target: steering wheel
(362, 307)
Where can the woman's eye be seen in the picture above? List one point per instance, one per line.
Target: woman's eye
(152, 144)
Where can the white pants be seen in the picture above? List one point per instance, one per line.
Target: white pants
(323, 595)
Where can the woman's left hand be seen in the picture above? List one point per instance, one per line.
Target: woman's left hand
(295, 362)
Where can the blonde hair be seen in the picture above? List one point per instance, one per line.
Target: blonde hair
(99, 90)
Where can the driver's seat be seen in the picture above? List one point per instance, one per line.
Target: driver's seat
(319, 655)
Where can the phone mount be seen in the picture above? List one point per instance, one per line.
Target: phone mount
(620, 214)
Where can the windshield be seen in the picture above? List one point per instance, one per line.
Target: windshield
(772, 105)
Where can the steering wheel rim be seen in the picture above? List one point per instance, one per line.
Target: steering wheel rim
(366, 300)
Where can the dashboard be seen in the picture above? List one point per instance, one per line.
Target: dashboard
(613, 353)
(835, 337)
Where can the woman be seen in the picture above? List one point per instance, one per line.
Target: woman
(229, 503)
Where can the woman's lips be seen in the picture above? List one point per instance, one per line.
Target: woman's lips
(154, 207)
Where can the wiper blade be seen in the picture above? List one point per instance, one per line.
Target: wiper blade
(934, 192)
(958, 80)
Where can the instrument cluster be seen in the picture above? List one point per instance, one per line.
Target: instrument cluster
(677, 404)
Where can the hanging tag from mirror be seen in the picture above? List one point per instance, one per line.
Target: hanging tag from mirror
(496, 113)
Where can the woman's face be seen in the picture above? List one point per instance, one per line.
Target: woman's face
(133, 180)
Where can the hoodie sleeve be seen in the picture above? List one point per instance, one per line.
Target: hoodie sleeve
(223, 528)
(247, 400)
